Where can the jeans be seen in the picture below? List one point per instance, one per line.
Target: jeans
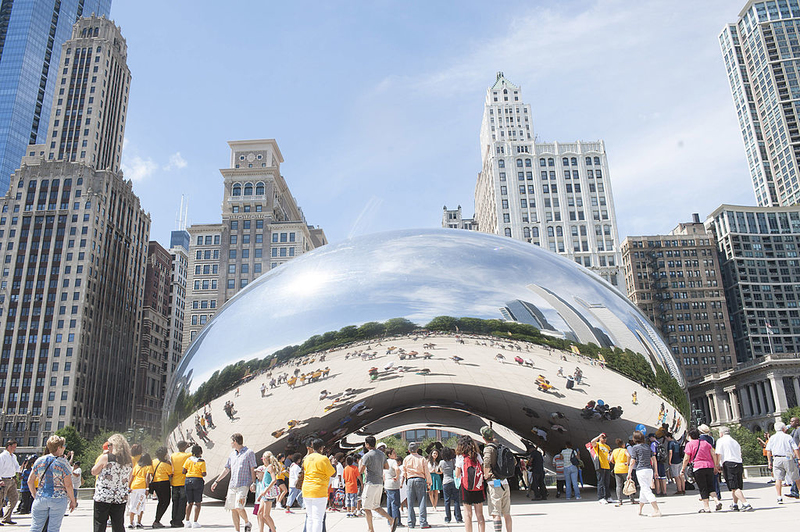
(571, 480)
(161, 489)
(452, 495)
(393, 503)
(603, 480)
(178, 505)
(315, 513)
(295, 494)
(105, 510)
(45, 508)
(417, 490)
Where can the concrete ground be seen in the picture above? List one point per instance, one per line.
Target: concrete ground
(680, 512)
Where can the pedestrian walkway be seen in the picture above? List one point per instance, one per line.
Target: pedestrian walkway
(679, 512)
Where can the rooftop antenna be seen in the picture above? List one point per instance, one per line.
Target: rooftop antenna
(183, 214)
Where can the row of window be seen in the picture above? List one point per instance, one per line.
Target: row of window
(247, 189)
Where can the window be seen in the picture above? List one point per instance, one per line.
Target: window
(501, 163)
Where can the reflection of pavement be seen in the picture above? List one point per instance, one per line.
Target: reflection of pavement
(680, 513)
(478, 384)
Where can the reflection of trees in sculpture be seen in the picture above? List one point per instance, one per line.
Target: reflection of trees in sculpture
(628, 363)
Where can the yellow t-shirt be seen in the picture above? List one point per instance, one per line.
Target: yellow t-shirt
(195, 467)
(621, 459)
(161, 470)
(177, 459)
(602, 451)
(139, 480)
(317, 472)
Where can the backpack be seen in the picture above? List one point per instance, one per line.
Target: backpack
(661, 452)
(473, 475)
(505, 465)
(573, 459)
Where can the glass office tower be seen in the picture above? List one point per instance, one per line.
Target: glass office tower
(31, 35)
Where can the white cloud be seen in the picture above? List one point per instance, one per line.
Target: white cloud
(176, 161)
(138, 169)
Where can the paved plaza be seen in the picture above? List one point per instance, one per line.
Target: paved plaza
(680, 512)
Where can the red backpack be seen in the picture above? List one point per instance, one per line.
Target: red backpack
(473, 475)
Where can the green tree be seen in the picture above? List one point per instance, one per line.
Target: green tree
(399, 326)
(75, 441)
(789, 414)
(442, 323)
(748, 440)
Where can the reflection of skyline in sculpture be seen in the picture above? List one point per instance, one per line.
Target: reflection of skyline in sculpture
(580, 329)
(526, 312)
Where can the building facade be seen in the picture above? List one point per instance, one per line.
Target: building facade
(74, 242)
(453, 219)
(31, 35)
(554, 195)
(754, 395)
(262, 227)
(676, 281)
(758, 255)
(151, 374)
(179, 251)
(762, 58)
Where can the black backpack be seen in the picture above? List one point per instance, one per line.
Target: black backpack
(661, 452)
(506, 464)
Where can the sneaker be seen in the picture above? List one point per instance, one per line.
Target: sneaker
(747, 508)
(157, 524)
(196, 525)
(780, 500)
(734, 507)
(131, 526)
(9, 522)
(248, 527)
(288, 511)
(425, 526)
(139, 525)
(603, 501)
(718, 507)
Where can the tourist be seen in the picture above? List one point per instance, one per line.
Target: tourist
(620, 459)
(571, 462)
(436, 477)
(536, 486)
(447, 466)
(195, 470)
(392, 482)
(781, 453)
(113, 471)
(241, 466)
(178, 482)
(25, 492)
(336, 480)
(729, 456)
(267, 491)
(53, 475)
(644, 464)
(675, 460)
(701, 455)
(77, 473)
(162, 472)
(794, 424)
(497, 489)
(9, 468)
(372, 465)
(350, 476)
(283, 481)
(295, 483)
(602, 451)
(558, 465)
(705, 434)
(140, 483)
(418, 479)
(317, 472)
(660, 480)
(469, 470)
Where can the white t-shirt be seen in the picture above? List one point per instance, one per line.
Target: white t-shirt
(393, 471)
(460, 462)
(781, 444)
(76, 478)
(294, 474)
(728, 450)
(337, 478)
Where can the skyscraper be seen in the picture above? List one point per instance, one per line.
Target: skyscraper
(676, 281)
(74, 243)
(555, 195)
(262, 227)
(31, 35)
(762, 58)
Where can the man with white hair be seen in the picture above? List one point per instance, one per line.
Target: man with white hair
(781, 452)
(730, 456)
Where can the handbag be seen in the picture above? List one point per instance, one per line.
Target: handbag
(574, 460)
(629, 488)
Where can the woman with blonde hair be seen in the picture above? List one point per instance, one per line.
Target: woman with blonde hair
(113, 470)
(267, 490)
(50, 483)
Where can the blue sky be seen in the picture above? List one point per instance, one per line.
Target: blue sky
(376, 105)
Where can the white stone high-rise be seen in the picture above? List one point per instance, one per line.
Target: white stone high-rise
(555, 195)
(762, 57)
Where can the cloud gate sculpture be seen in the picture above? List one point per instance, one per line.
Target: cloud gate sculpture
(428, 328)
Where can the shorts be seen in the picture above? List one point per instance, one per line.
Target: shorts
(351, 500)
(733, 475)
(499, 500)
(194, 490)
(784, 469)
(236, 498)
(675, 469)
(371, 496)
(662, 470)
(136, 501)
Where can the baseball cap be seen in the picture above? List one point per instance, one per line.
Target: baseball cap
(487, 432)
